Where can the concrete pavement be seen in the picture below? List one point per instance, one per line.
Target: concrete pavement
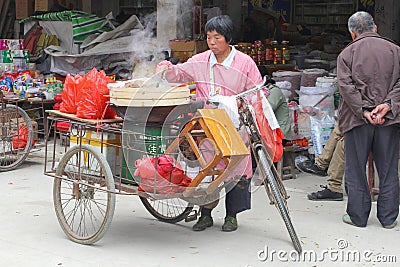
(31, 236)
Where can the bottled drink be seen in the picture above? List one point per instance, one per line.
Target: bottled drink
(285, 52)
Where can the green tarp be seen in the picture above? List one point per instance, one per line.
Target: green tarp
(83, 24)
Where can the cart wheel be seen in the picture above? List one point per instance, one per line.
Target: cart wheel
(171, 210)
(84, 210)
(274, 185)
(13, 149)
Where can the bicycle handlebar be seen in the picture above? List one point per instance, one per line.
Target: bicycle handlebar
(252, 90)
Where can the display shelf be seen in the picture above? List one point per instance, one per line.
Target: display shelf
(324, 14)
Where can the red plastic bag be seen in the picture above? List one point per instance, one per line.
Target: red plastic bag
(162, 175)
(57, 106)
(62, 126)
(20, 138)
(69, 100)
(272, 138)
(93, 95)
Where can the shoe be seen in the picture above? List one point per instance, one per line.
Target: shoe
(230, 224)
(203, 223)
(325, 194)
(390, 226)
(346, 219)
(311, 167)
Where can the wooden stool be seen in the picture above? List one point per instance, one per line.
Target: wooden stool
(288, 171)
(215, 125)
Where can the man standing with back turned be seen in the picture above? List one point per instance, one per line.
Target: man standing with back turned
(368, 78)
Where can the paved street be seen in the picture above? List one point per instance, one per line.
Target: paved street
(31, 236)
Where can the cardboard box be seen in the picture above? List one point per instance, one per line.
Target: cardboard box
(43, 5)
(46, 5)
(24, 8)
(183, 49)
(108, 144)
(12, 44)
(86, 6)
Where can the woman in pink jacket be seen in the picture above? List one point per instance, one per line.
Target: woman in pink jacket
(226, 71)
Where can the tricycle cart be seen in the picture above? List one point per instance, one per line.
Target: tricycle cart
(17, 132)
(173, 163)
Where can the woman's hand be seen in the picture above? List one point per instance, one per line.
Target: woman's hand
(163, 66)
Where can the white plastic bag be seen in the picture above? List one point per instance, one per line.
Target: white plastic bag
(321, 129)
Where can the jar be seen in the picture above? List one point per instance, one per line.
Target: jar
(285, 52)
(269, 53)
(277, 52)
(260, 53)
(253, 53)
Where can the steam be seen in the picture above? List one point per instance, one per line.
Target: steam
(146, 51)
(185, 19)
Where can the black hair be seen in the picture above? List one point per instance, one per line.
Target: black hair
(223, 25)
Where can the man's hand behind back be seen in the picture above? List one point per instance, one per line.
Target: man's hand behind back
(377, 115)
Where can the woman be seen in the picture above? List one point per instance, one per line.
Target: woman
(226, 71)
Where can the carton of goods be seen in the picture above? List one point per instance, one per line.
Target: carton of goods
(106, 143)
(183, 49)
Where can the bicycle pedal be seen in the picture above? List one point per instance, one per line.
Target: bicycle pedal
(192, 216)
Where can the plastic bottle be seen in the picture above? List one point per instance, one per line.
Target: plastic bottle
(285, 52)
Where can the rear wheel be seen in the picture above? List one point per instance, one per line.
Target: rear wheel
(16, 135)
(171, 210)
(83, 208)
(277, 194)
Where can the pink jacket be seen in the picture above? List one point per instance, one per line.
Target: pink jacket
(233, 76)
(242, 74)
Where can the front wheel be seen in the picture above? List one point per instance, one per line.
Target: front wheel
(274, 185)
(83, 207)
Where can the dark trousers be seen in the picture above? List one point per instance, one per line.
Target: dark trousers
(237, 199)
(383, 142)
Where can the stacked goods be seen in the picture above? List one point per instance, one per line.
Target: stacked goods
(143, 93)
(13, 56)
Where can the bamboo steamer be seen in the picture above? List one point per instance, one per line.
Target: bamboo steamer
(137, 93)
(144, 101)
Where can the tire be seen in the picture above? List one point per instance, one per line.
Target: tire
(11, 118)
(84, 212)
(279, 197)
(171, 210)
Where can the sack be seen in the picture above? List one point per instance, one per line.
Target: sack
(20, 138)
(272, 138)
